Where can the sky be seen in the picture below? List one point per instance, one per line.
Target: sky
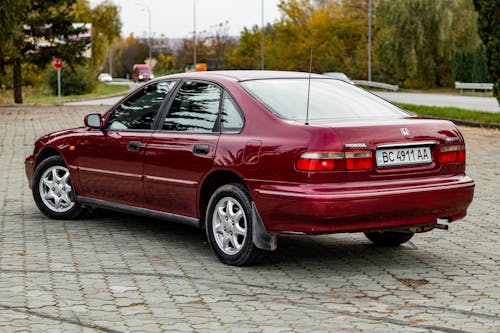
(174, 18)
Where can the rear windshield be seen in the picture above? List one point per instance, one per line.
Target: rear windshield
(329, 99)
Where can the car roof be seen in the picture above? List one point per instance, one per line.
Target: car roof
(243, 75)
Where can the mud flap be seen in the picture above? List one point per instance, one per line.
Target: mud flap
(261, 238)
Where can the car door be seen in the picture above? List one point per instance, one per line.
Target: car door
(111, 160)
(181, 152)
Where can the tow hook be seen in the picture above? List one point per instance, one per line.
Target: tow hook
(441, 226)
(426, 228)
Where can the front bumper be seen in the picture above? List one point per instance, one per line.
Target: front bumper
(363, 206)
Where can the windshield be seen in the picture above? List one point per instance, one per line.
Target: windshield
(329, 99)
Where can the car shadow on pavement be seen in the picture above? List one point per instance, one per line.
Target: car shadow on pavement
(342, 251)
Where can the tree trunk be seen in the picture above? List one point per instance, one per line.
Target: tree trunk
(17, 79)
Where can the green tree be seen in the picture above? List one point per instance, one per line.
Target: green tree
(489, 31)
(126, 53)
(416, 39)
(106, 27)
(38, 30)
(335, 30)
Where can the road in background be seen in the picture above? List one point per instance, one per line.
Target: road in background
(488, 104)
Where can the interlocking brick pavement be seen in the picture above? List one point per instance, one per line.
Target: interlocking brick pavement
(112, 272)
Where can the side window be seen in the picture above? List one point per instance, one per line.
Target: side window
(195, 108)
(231, 118)
(139, 110)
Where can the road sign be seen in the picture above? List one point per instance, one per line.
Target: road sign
(57, 63)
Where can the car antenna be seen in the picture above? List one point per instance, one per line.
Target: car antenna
(309, 85)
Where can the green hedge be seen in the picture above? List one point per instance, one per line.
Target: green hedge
(470, 66)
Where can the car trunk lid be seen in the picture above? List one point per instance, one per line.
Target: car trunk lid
(400, 148)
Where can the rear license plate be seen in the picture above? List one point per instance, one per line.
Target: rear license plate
(403, 156)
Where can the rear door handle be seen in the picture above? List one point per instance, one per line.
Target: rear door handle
(201, 149)
(133, 146)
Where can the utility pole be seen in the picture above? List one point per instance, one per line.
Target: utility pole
(369, 40)
(111, 60)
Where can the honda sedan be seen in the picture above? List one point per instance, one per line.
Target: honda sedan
(250, 155)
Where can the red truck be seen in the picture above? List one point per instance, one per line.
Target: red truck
(142, 72)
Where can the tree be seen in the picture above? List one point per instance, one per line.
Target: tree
(336, 30)
(37, 31)
(106, 27)
(128, 52)
(489, 31)
(416, 39)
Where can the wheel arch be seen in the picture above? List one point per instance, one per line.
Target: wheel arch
(47, 152)
(210, 183)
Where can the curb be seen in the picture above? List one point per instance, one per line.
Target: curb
(66, 101)
(462, 122)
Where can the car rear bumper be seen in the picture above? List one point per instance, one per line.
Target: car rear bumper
(364, 206)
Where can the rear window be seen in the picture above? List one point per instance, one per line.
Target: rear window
(329, 99)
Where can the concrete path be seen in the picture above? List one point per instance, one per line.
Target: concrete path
(489, 104)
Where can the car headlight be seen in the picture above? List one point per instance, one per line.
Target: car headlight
(152, 76)
(140, 76)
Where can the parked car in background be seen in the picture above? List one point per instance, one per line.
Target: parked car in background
(104, 77)
(242, 155)
(142, 72)
(339, 76)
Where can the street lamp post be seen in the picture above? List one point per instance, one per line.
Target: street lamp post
(148, 9)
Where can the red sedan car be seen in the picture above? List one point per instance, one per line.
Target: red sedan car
(249, 155)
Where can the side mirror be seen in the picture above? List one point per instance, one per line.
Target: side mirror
(93, 120)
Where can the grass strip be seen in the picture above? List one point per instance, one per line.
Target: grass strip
(453, 113)
(102, 89)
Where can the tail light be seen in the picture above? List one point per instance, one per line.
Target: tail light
(359, 160)
(334, 161)
(320, 161)
(452, 154)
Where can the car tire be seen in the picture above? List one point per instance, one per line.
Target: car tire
(52, 190)
(389, 238)
(228, 224)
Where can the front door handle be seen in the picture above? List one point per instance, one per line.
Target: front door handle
(133, 146)
(201, 149)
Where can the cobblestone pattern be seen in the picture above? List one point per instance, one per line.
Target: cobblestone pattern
(112, 272)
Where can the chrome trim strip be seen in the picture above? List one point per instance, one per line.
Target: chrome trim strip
(153, 179)
(102, 172)
(194, 222)
(410, 144)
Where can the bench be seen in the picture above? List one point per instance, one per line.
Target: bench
(473, 86)
(374, 84)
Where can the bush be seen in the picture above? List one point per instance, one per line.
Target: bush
(470, 66)
(74, 81)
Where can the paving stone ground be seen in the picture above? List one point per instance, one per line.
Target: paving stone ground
(112, 272)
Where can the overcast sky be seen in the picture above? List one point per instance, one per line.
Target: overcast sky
(174, 18)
